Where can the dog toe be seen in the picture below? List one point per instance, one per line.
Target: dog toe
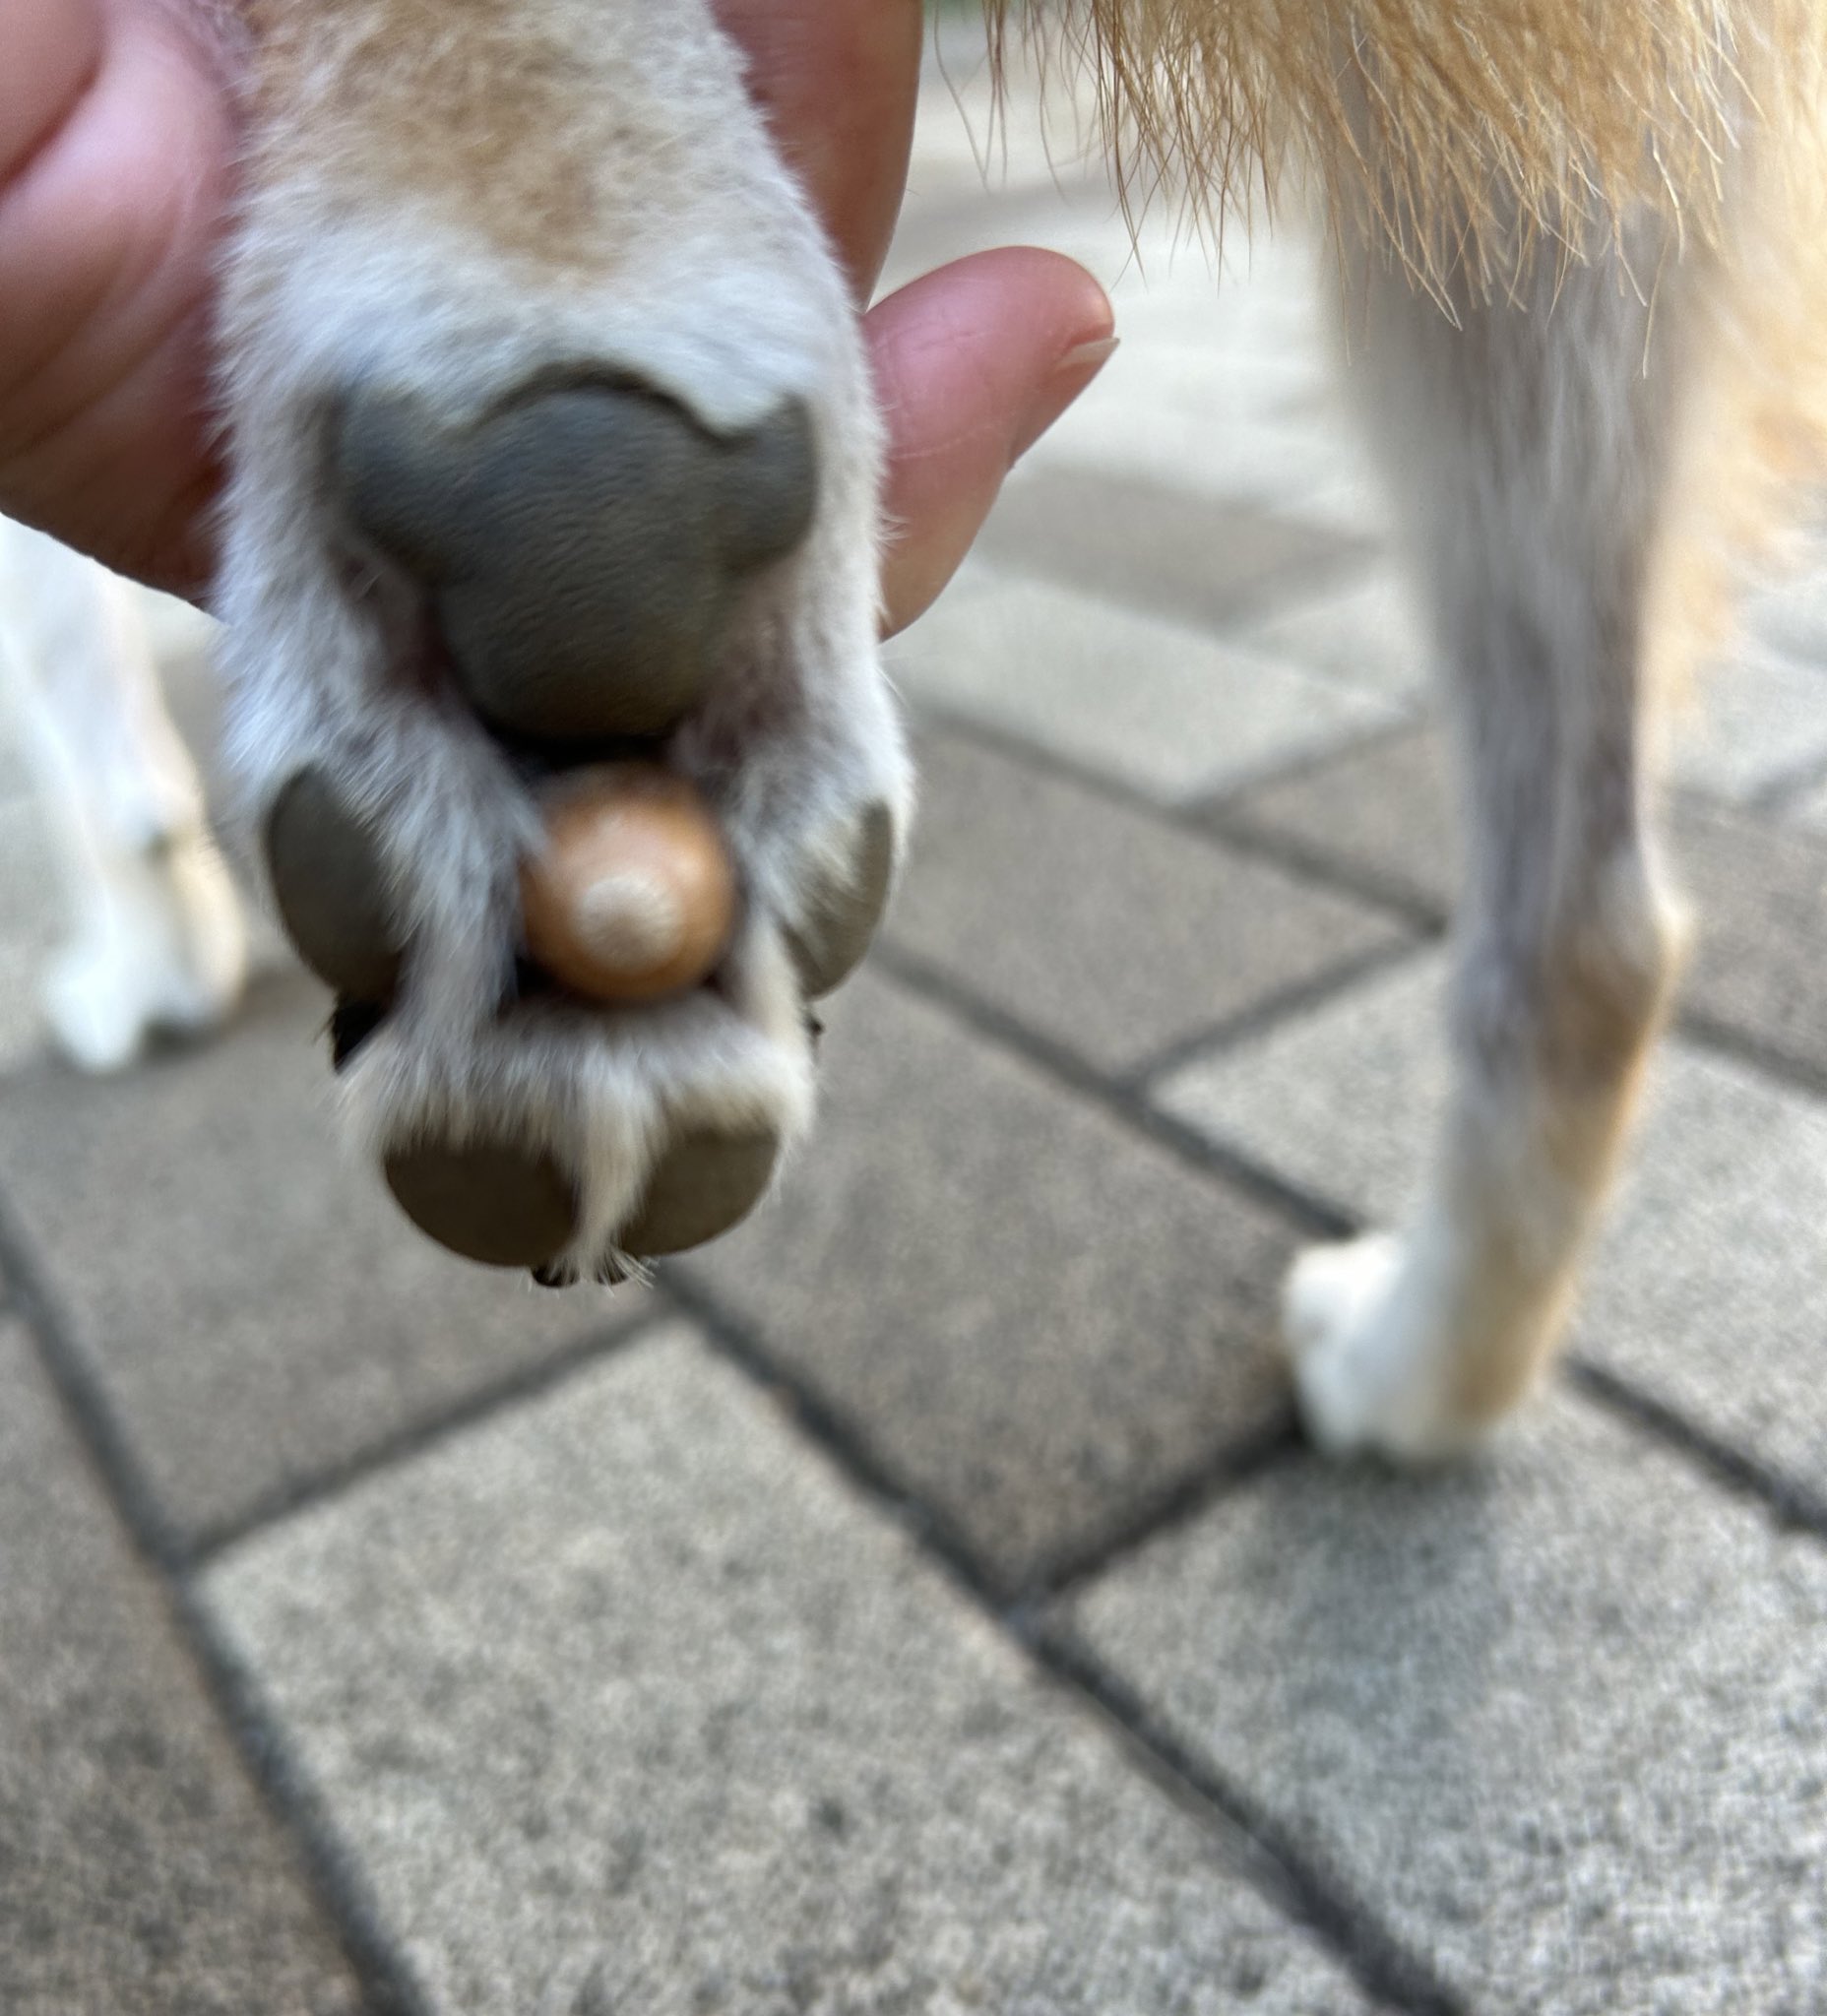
(498, 1202)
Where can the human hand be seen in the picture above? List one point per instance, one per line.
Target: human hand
(116, 139)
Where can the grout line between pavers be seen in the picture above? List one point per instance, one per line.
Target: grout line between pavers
(323, 1486)
(1300, 998)
(1260, 600)
(1182, 1502)
(1196, 818)
(1380, 1964)
(1783, 1499)
(1309, 1213)
(1241, 1838)
(330, 1880)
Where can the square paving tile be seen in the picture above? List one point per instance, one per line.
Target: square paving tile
(1034, 1320)
(254, 1305)
(1707, 1290)
(1382, 814)
(29, 922)
(1758, 720)
(1169, 553)
(1106, 930)
(1168, 711)
(1560, 1720)
(1366, 631)
(140, 1874)
(623, 1701)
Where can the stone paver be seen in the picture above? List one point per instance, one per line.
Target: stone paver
(1168, 709)
(255, 1307)
(1198, 560)
(1382, 814)
(625, 1704)
(30, 928)
(1033, 1319)
(1366, 631)
(1706, 1289)
(1757, 721)
(139, 1873)
(1098, 926)
(1546, 1717)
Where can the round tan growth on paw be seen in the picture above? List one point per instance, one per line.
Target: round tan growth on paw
(633, 895)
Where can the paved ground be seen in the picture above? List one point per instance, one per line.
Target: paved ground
(921, 1604)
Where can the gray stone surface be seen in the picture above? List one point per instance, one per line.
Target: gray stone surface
(1759, 720)
(255, 1306)
(139, 1873)
(1168, 709)
(28, 924)
(1760, 911)
(1034, 1320)
(1201, 560)
(1705, 1291)
(1381, 817)
(1102, 929)
(1546, 1717)
(1366, 631)
(626, 1702)
(1381, 814)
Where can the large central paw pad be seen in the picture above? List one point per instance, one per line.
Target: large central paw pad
(583, 547)
(522, 833)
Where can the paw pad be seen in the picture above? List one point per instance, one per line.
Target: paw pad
(329, 884)
(572, 1001)
(504, 1205)
(705, 1184)
(583, 547)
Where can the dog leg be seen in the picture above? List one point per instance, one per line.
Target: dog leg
(1534, 448)
(157, 942)
(553, 438)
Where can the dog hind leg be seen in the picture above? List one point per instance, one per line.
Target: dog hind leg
(157, 940)
(1534, 449)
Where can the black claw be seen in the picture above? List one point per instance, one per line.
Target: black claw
(351, 1023)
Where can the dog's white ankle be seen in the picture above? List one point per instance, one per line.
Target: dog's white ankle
(1367, 1329)
(162, 948)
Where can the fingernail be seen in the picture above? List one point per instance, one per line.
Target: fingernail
(1070, 376)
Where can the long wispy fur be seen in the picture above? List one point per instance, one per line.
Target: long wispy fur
(1468, 139)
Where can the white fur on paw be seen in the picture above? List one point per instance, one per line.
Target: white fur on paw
(164, 949)
(1369, 1358)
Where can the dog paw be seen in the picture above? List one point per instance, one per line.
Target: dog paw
(510, 519)
(1371, 1361)
(161, 951)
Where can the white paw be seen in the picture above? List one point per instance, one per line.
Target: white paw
(163, 950)
(1366, 1331)
(509, 501)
